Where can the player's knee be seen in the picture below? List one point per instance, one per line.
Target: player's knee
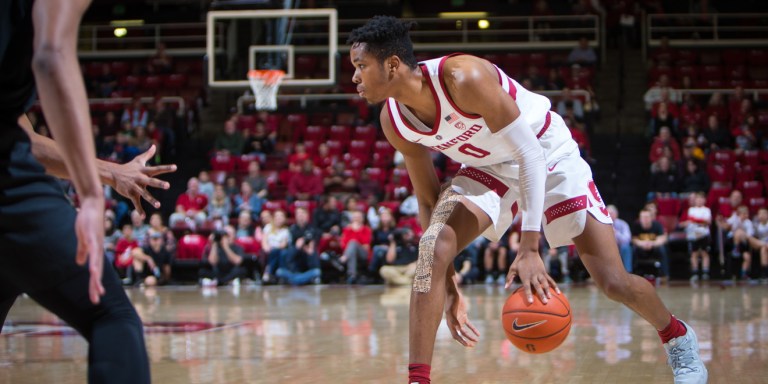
(615, 286)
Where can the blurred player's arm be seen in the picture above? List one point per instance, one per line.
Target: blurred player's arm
(65, 105)
(421, 170)
(130, 179)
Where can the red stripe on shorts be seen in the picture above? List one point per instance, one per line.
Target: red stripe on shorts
(543, 130)
(566, 207)
(483, 178)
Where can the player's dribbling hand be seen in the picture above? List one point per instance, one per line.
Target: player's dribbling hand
(530, 268)
(89, 228)
(458, 322)
(133, 178)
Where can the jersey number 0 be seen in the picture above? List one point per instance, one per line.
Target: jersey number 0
(471, 150)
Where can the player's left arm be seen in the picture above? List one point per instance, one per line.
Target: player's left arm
(474, 86)
(130, 179)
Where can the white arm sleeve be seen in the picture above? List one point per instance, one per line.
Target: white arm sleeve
(527, 151)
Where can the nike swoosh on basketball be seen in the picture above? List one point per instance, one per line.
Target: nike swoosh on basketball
(517, 327)
(552, 167)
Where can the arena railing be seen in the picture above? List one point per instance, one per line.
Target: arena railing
(432, 34)
(755, 92)
(304, 98)
(706, 30)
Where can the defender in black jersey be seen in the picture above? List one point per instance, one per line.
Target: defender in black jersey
(44, 241)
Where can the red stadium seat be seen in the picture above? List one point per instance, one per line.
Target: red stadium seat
(755, 203)
(191, 247)
(315, 132)
(360, 147)
(668, 206)
(152, 82)
(249, 244)
(274, 205)
(120, 68)
(335, 147)
(339, 132)
(383, 147)
(221, 162)
(377, 174)
(734, 56)
(365, 132)
(246, 123)
(751, 189)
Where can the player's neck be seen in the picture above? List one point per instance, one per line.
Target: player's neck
(417, 95)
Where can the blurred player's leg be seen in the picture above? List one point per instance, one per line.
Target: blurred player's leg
(39, 247)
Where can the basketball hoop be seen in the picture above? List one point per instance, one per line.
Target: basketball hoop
(265, 83)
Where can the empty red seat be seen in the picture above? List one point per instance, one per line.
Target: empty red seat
(339, 132)
(246, 123)
(335, 147)
(757, 57)
(365, 132)
(315, 132)
(377, 174)
(191, 247)
(120, 68)
(176, 80)
(360, 147)
(152, 82)
(668, 206)
(751, 188)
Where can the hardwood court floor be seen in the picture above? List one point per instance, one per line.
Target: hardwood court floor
(340, 334)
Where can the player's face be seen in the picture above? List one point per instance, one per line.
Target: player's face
(369, 74)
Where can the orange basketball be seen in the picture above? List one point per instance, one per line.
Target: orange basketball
(537, 327)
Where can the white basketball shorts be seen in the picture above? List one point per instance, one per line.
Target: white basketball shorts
(570, 194)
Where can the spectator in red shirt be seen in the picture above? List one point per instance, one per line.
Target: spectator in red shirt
(356, 242)
(191, 205)
(664, 139)
(305, 185)
(124, 247)
(296, 159)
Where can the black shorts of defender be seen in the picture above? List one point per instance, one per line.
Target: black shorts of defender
(37, 257)
(701, 244)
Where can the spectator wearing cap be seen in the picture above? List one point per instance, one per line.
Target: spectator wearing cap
(222, 259)
(151, 263)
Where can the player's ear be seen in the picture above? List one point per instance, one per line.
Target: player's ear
(392, 64)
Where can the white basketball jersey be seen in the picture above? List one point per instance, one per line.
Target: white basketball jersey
(464, 137)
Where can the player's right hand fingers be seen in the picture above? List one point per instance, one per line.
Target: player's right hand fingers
(510, 277)
(136, 199)
(528, 291)
(536, 282)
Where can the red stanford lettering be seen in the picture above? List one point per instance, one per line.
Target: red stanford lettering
(460, 138)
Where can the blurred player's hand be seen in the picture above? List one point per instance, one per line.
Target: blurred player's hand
(530, 268)
(89, 228)
(133, 178)
(458, 322)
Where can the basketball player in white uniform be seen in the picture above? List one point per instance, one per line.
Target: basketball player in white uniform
(517, 156)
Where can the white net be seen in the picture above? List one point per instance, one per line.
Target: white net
(265, 83)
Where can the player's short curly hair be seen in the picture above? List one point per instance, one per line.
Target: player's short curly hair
(385, 36)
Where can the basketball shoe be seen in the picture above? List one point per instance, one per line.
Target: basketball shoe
(683, 357)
